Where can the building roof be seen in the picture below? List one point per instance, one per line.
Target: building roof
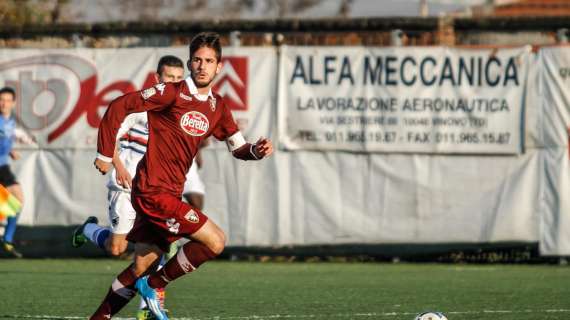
(524, 8)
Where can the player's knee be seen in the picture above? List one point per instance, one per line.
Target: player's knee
(218, 244)
(116, 250)
(139, 269)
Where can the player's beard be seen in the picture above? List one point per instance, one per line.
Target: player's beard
(202, 83)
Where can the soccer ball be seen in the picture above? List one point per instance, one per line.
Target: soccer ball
(431, 315)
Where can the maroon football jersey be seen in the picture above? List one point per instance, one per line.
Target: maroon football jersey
(178, 121)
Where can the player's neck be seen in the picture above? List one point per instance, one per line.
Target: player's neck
(204, 90)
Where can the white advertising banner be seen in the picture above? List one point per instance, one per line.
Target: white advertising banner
(62, 95)
(554, 82)
(412, 99)
(403, 110)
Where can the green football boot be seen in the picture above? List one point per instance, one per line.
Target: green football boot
(79, 238)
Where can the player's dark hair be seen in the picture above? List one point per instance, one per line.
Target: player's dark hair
(169, 61)
(206, 39)
(8, 90)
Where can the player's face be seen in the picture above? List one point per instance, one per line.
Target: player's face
(171, 74)
(204, 66)
(6, 103)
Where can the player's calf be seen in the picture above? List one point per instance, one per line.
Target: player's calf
(188, 259)
(209, 242)
(121, 292)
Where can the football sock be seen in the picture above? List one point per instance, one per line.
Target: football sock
(97, 234)
(188, 259)
(10, 230)
(121, 292)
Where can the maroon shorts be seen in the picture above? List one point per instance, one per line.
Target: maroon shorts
(162, 219)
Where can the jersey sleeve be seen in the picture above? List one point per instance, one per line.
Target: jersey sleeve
(127, 124)
(22, 136)
(226, 127)
(158, 97)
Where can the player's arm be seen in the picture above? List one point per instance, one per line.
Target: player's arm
(198, 158)
(228, 130)
(22, 137)
(154, 98)
(247, 151)
(123, 176)
(15, 155)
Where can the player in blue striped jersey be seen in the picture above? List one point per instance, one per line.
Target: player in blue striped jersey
(7, 178)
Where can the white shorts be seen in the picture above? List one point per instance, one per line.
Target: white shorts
(194, 183)
(121, 213)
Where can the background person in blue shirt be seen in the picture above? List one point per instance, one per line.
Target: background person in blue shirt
(7, 178)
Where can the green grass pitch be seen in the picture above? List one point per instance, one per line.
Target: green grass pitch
(72, 289)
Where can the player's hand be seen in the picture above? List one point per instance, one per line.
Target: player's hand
(124, 178)
(102, 166)
(263, 147)
(15, 155)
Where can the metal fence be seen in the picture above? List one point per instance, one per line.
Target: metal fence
(446, 31)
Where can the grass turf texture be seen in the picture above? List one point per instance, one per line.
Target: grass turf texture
(243, 290)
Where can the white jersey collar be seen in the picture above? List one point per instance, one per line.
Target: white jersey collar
(194, 90)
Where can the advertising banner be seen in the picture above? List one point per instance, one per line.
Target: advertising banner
(62, 95)
(553, 83)
(426, 100)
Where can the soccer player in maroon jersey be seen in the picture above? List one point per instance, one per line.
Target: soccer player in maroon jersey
(180, 116)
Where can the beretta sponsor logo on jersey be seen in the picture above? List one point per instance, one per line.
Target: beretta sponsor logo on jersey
(194, 123)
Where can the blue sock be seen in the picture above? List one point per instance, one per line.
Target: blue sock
(10, 228)
(101, 237)
(96, 234)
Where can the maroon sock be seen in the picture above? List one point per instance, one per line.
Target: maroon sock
(188, 259)
(121, 292)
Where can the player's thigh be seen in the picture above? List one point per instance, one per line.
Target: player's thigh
(210, 235)
(16, 190)
(121, 212)
(164, 218)
(146, 256)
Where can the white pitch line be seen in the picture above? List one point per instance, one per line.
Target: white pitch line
(302, 316)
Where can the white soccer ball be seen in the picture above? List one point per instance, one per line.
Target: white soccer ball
(431, 315)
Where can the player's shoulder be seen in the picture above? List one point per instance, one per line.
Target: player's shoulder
(161, 90)
(137, 117)
(218, 97)
(219, 100)
(163, 87)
